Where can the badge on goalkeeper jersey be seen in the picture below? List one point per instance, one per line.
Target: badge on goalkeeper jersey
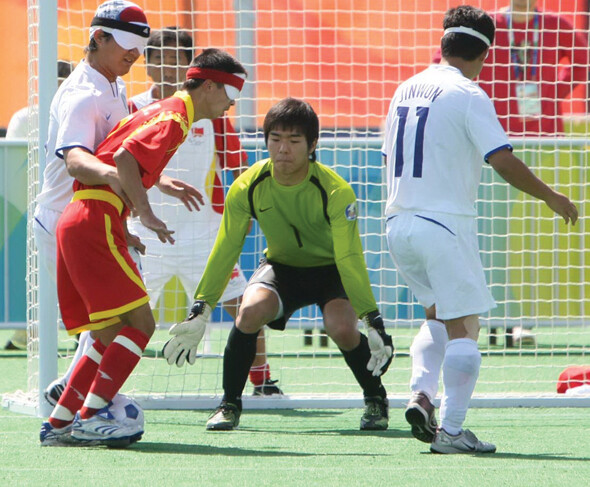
(351, 212)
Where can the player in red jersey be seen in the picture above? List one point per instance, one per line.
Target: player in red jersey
(99, 286)
(211, 148)
(536, 62)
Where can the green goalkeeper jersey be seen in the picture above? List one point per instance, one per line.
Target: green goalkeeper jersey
(310, 224)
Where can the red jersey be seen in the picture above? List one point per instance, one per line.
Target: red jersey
(227, 147)
(556, 57)
(93, 220)
(151, 135)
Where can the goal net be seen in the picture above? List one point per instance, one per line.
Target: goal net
(347, 58)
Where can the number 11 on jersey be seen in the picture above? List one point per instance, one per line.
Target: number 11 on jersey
(402, 118)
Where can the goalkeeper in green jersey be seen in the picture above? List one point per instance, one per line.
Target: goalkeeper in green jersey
(314, 256)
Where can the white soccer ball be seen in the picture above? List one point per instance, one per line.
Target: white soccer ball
(126, 411)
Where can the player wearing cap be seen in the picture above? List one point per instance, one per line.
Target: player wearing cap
(211, 146)
(83, 111)
(99, 285)
(308, 215)
(439, 128)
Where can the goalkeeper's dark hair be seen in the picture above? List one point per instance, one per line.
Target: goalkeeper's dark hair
(213, 58)
(461, 45)
(171, 36)
(291, 113)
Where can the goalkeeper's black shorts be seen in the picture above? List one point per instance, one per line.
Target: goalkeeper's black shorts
(299, 286)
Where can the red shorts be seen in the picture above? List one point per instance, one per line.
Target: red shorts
(97, 279)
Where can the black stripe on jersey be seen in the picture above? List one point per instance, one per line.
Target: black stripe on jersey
(297, 236)
(316, 181)
(255, 183)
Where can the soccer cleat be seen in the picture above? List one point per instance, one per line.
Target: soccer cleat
(225, 418)
(376, 415)
(54, 391)
(50, 436)
(420, 415)
(104, 429)
(268, 388)
(464, 442)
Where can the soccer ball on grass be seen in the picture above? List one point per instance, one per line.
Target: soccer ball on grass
(126, 411)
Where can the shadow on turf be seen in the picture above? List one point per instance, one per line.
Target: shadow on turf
(177, 448)
(284, 413)
(539, 456)
(301, 415)
(520, 456)
(13, 354)
(390, 433)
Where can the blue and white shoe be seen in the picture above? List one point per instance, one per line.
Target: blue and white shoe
(50, 436)
(104, 429)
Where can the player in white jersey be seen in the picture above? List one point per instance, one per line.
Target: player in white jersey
(18, 128)
(83, 111)
(210, 147)
(440, 128)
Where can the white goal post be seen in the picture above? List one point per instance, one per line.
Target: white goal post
(347, 62)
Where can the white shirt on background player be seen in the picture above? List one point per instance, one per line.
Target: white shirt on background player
(454, 124)
(83, 111)
(18, 127)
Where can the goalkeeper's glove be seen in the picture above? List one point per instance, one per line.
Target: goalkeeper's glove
(380, 344)
(182, 347)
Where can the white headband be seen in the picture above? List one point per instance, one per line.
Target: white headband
(469, 31)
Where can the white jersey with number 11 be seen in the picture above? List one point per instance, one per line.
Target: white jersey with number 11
(440, 128)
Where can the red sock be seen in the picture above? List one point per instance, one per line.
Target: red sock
(259, 374)
(118, 361)
(78, 386)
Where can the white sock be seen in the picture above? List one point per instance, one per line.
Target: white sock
(84, 343)
(460, 372)
(427, 352)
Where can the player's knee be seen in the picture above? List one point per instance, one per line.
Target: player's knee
(346, 337)
(251, 319)
(149, 328)
(462, 356)
(140, 318)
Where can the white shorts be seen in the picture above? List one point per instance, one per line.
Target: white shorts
(44, 225)
(437, 254)
(188, 265)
